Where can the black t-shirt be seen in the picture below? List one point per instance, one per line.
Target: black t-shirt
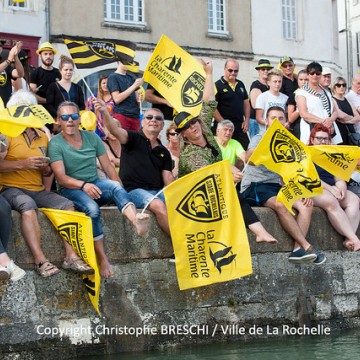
(141, 165)
(262, 87)
(230, 102)
(288, 86)
(5, 84)
(166, 110)
(44, 78)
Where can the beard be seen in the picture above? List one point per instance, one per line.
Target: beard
(47, 62)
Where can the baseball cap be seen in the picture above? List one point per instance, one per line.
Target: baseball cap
(285, 59)
(326, 71)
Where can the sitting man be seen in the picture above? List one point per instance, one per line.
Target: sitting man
(146, 165)
(22, 167)
(73, 154)
(230, 148)
(260, 187)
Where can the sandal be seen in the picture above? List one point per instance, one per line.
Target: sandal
(78, 265)
(46, 268)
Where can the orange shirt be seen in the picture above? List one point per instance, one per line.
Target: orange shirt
(20, 148)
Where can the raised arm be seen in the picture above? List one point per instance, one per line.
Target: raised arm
(113, 125)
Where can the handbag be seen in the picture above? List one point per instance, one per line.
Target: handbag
(353, 137)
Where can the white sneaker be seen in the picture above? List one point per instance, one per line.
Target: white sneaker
(16, 273)
(4, 273)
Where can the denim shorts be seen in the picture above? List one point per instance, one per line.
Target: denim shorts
(258, 193)
(112, 192)
(141, 197)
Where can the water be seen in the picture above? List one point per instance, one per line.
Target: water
(339, 346)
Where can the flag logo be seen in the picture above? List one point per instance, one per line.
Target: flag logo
(73, 234)
(284, 149)
(105, 50)
(309, 183)
(174, 64)
(339, 159)
(192, 90)
(203, 202)
(221, 255)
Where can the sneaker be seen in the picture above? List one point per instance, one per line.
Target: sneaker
(4, 273)
(320, 259)
(302, 256)
(16, 273)
(172, 259)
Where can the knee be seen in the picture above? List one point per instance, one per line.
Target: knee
(92, 210)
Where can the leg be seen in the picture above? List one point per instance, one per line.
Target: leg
(351, 208)
(288, 222)
(253, 223)
(159, 209)
(103, 261)
(305, 209)
(113, 191)
(338, 219)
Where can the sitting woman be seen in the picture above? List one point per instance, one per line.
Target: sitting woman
(340, 204)
(201, 149)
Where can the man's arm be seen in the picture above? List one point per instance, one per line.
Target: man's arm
(119, 97)
(168, 177)
(113, 125)
(108, 168)
(155, 99)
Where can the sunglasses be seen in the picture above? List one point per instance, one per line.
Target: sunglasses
(340, 85)
(66, 117)
(232, 70)
(317, 73)
(264, 69)
(321, 139)
(173, 134)
(287, 65)
(157, 117)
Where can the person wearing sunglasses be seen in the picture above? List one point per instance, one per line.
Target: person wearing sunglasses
(73, 155)
(146, 164)
(199, 149)
(289, 83)
(233, 102)
(23, 167)
(316, 106)
(340, 204)
(174, 147)
(347, 114)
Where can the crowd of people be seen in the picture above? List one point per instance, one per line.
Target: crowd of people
(121, 159)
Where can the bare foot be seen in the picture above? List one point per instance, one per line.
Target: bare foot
(351, 246)
(106, 270)
(142, 223)
(266, 238)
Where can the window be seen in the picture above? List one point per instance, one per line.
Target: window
(124, 11)
(216, 16)
(19, 4)
(289, 24)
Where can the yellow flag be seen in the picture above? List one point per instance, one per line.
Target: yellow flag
(339, 160)
(291, 159)
(176, 75)
(207, 228)
(298, 187)
(15, 119)
(76, 229)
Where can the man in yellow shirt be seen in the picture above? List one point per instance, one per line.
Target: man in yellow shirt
(22, 167)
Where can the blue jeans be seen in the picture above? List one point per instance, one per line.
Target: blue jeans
(111, 190)
(5, 224)
(141, 197)
(253, 128)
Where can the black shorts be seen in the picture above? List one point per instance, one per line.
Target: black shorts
(258, 193)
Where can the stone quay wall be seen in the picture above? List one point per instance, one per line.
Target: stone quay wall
(142, 308)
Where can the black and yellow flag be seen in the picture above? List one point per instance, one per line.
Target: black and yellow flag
(177, 76)
(76, 229)
(281, 152)
(338, 160)
(15, 119)
(90, 52)
(207, 227)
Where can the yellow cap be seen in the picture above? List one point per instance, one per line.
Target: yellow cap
(45, 46)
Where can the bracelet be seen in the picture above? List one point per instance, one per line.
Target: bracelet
(8, 61)
(82, 186)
